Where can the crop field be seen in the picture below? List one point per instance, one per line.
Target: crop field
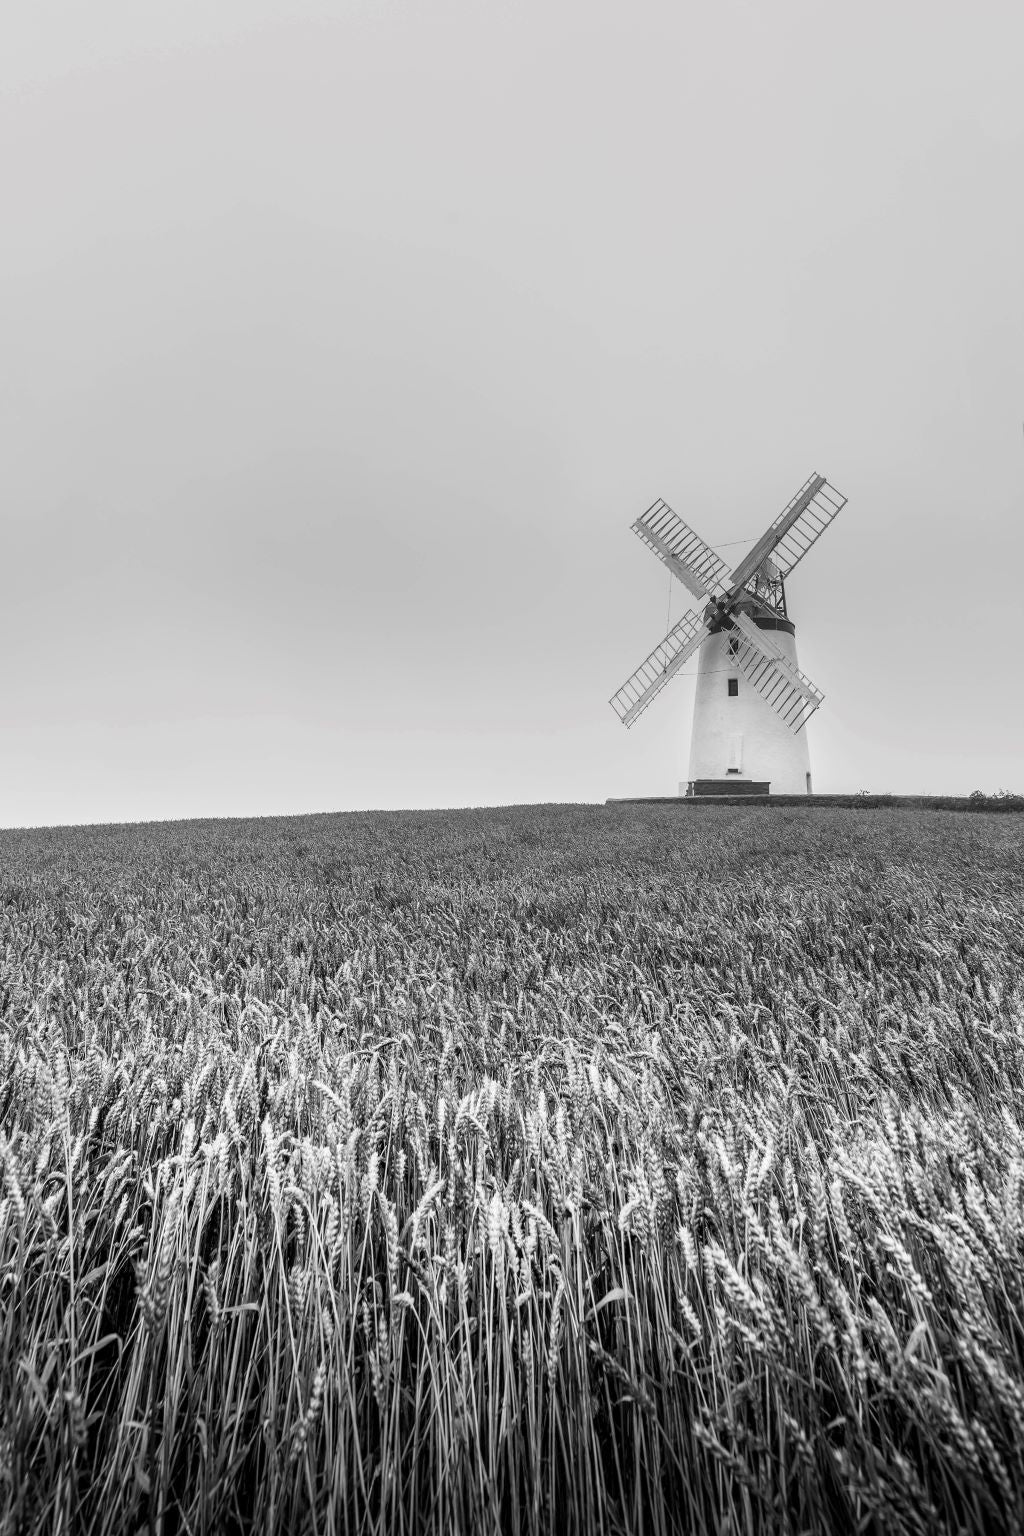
(555, 1169)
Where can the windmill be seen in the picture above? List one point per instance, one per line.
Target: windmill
(752, 700)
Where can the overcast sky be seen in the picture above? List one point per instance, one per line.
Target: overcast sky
(343, 342)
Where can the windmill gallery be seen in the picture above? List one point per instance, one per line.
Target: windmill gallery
(752, 701)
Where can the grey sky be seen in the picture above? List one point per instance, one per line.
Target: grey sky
(342, 343)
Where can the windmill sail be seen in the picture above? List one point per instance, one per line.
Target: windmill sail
(792, 695)
(660, 666)
(682, 550)
(795, 529)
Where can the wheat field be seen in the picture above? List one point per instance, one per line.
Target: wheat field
(545, 1169)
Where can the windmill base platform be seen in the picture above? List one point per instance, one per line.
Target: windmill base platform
(731, 788)
(861, 802)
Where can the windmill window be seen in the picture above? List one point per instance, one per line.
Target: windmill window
(734, 687)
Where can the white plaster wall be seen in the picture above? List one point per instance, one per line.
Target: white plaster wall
(768, 749)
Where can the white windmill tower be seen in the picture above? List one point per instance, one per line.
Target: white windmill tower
(752, 701)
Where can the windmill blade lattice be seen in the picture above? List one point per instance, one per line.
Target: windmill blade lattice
(793, 696)
(660, 666)
(797, 527)
(682, 550)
